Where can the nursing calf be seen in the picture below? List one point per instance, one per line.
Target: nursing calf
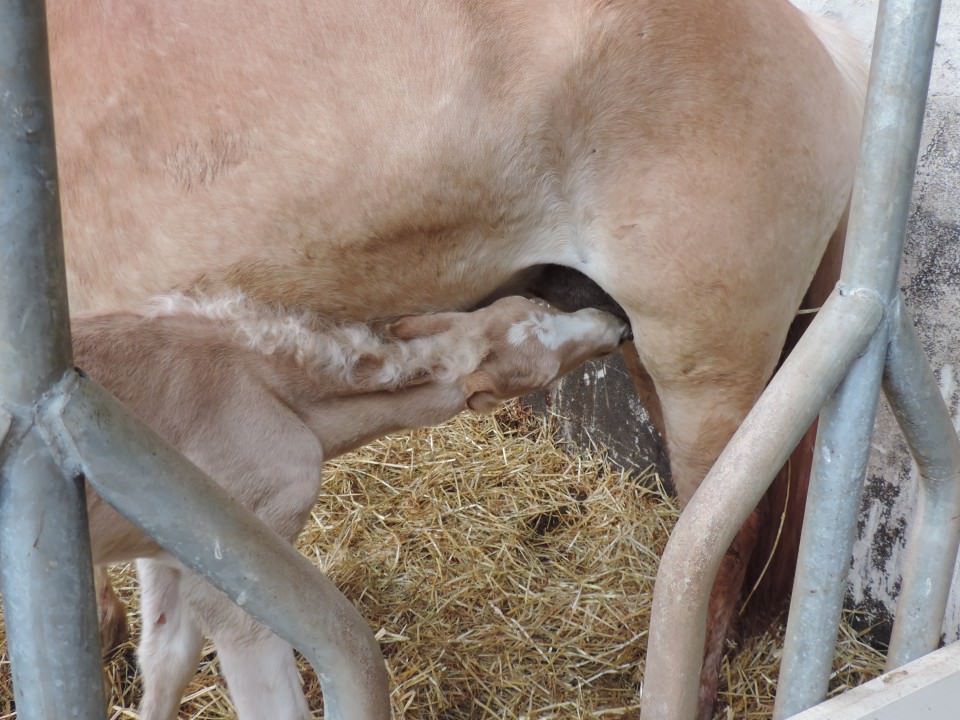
(259, 399)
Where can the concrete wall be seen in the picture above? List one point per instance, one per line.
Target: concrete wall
(597, 404)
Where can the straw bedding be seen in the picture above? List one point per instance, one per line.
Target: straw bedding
(505, 577)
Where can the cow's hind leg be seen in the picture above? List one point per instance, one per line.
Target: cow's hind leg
(699, 420)
(711, 285)
(709, 344)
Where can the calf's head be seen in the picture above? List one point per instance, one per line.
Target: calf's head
(526, 344)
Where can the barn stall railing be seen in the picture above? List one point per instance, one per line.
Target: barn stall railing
(57, 427)
(862, 334)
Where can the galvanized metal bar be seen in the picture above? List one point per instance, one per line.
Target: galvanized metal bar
(833, 504)
(45, 572)
(35, 339)
(50, 615)
(925, 689)
(934, 530)
(731, 490)
(134, 470)
(893, 119)
(899, 76)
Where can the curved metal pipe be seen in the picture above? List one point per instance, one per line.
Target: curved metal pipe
(137, 472)
(934, 533)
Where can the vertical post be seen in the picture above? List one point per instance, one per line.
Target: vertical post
(833, 503)
(899, 76)
(45, 571)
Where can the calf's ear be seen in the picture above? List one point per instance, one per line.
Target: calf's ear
(479, 389)
(415, 326)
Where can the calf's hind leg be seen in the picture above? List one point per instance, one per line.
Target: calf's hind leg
(259, 667)
(111, 611)
(170, 640)
(178, 607)
(275, 694)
